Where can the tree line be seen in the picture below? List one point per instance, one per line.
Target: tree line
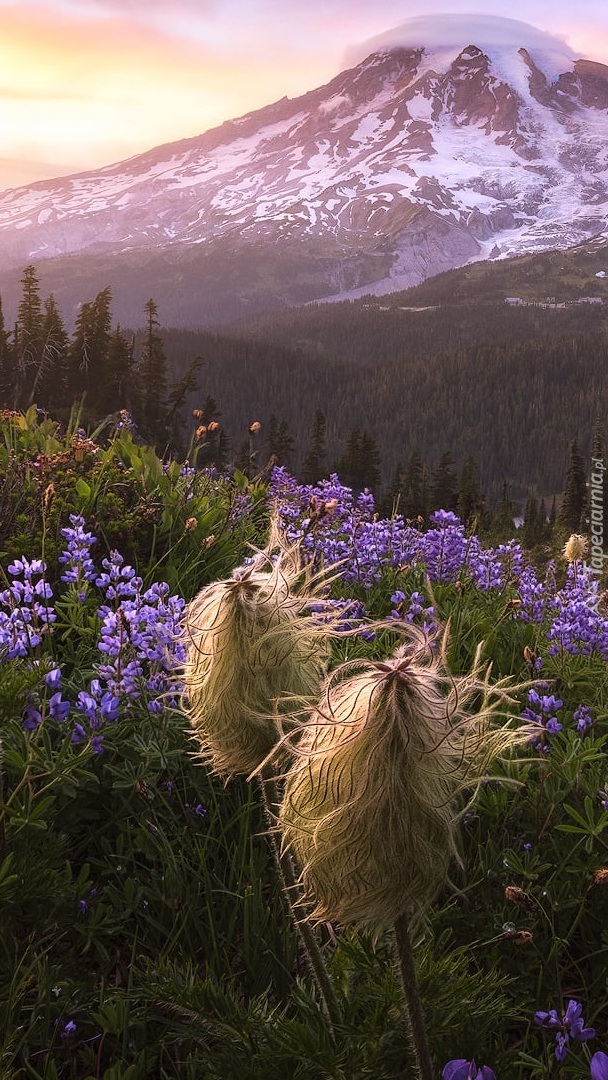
(466, 411)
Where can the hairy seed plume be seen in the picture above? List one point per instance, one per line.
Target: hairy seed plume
(249, 648)
(373, 799)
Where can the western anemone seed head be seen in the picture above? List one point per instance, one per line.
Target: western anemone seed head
(575, 548)
(250, 647)
(372, 801)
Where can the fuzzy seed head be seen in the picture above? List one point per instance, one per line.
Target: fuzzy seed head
(372, 802)
(575, 548)
(249, 649)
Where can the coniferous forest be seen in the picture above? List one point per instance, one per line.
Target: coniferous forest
(460, 403)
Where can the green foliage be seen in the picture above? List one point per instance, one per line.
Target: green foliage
(138, 896)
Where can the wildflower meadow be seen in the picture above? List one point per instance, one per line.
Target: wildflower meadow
(289, 788)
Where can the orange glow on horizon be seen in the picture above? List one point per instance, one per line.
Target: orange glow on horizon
(94, 93)
(79, 91)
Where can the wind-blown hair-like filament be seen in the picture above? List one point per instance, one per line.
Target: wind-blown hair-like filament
(251, 646)
(373, 798)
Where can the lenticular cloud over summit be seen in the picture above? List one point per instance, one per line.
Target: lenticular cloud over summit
(490, 33)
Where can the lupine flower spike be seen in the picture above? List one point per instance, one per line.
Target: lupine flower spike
(570, 1025)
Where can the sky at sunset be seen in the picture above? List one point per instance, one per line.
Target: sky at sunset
(85, 83)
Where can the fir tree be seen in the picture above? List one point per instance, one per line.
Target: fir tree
(371, 471)
(444, 485)
(359, 466)
(350, 462)
(504, 519)
(415, 493)
(532, 526)
(571, 513)
(470, 503)
(7, 369)
(120, 387)
(154, 416)
(88, 355)
(313, 465)
(280, 442)
(28, 336)
(49, 387)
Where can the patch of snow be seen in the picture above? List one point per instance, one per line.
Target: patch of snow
(445, 36)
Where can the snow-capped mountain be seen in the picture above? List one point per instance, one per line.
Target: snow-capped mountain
(456, 138)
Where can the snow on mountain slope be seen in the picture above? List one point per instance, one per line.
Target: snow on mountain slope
(455, 138)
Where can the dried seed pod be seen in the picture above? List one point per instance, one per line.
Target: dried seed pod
(372, 802)
(515, 895)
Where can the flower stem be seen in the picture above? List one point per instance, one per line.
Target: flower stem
(423, 1067)
(287, 876)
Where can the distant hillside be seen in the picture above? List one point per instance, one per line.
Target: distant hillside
(509, 385)
(563, 275)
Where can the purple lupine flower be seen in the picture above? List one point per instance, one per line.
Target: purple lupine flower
(58, 708)
(578, 627)
(80, 569)
(583, 718)
(69, 1030)
(53, 678)
(78, 734)
(23, 618)
(536, 712)
(461, 1069)
(32, 717)
(598, 1066)
(570, 1025)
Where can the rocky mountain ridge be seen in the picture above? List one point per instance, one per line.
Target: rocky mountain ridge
(417, 159)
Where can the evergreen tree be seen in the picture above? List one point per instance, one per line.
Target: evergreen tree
(350, 462)
(185, 387)
(359, 466)
(415, 493)
(504, 519)
(470, 503)
(313, 465)
(444, 485)
(154, 417)
(543, 524)
(371, 471)
(88, 355)
(571, 512)
(7, 370)
(49, 387)
(119, 389)
(279, 443)
(532, 526)
(28, 336)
